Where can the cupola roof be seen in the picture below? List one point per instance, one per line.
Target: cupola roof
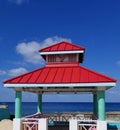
(63, 48)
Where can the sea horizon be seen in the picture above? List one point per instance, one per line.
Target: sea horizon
(60, 102)
(29, 108)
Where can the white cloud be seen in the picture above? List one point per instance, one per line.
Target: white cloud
(17, 71)
(2, 72)
(29, 50)
(13, 72)
(53, 40)
(19, 2)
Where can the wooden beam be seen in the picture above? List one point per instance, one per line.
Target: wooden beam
(41, 90)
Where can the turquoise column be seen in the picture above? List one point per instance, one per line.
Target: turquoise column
(39, 107)
(95, 104)
(18, 104)
(101, 105)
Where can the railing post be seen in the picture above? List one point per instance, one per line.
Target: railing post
(43, 124)
(17, 124)
(73, 125)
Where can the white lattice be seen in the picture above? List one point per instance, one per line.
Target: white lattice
(87, 125)
(30, 125)
(87, 128)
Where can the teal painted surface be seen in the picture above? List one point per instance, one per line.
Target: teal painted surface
(4, 113)
(113, 125)
(101, 105)
(18, 108)
(51, 123)
(39, 107)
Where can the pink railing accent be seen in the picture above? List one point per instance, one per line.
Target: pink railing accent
(87, 125)
(30, 124)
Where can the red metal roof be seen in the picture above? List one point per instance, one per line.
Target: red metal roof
(62, 46)
(60, 74)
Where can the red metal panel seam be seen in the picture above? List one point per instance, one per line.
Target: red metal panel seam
(65, 47)
(63, 75)
(38, 75)
(58, 75)
(71, 74)
(99, 74)
(43, 80)
(72, 48)
(58, 47)
(50, 76)
(47, 74)
(29, 77)
(22, 78)
(80, 75)
(75, 74)
(18, 80)
(55, 75)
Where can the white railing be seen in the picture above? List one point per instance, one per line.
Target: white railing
(29, 124)
(65, 117)
(87, 125)
(76, 122)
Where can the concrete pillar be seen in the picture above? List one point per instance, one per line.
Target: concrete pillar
(73, 124)
(101, 105)
(18, 104)
(39, 106)
(95, 104)
(43, 124)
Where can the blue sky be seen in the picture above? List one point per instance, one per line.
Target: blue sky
(28, 25)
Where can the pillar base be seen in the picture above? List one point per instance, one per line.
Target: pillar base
(16, 124)
(73, 125)
(43, 124)
(101, 125)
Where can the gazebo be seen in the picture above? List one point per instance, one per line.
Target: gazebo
(62, 73)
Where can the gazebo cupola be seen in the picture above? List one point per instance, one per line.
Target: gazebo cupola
(62, 53)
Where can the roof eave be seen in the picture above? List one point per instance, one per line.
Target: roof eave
(101, 84)
(61, 52)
